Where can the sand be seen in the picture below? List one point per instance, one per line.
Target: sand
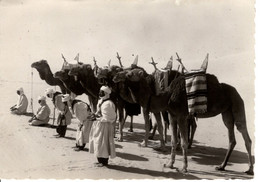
(29, 152)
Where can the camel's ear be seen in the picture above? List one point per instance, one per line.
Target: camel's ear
(141, 73)
(129, 74)
(43, 61)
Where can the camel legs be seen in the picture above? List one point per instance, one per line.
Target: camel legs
(229, 123)
(174, 140)
(240, 122)
(166, 124)
(160, 128)
(248, 144)
(121, 121)
(165, 127)
(192, 125)
(146, 120)
(183, 128)
(153, 132)
(131, 123)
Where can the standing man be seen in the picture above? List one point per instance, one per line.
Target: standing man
(83, 113)
(22, 103)
(102, 132)
(42, 116)
(64, 117)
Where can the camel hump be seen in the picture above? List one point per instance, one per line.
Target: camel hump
(212, 78)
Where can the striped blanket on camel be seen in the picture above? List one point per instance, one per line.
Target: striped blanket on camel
(196, 90)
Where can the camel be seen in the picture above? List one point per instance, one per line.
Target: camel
(105, 76)
(163, 77)
(133, 92)
(222, 99)
(70, 83)
(45, 73)
(85, 75)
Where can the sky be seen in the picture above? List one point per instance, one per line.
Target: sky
(34, 30)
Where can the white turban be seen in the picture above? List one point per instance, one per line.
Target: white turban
(20, 90)
(49, 91)
(65, 98)
(106, 89)
(42, 98)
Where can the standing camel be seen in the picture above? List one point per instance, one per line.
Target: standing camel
(45, 73)
(221, 99)
(85, 75)
(162, 79)
(70, 83)
(105, 77)
(141, 95)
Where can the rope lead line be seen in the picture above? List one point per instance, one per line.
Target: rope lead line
(54, 110)
(32, 90)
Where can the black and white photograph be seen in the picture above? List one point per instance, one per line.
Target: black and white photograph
(128, 90)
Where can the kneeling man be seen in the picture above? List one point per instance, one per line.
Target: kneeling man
(42, 116)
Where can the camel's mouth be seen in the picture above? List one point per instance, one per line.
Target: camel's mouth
(33, 65)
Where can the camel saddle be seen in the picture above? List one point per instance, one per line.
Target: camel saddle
(161, 80)
(196, 90)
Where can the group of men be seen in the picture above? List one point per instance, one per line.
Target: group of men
(96, 129)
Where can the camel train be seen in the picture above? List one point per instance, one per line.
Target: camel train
(133, 85)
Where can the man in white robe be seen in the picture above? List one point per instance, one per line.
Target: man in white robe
(42, 116)
(83, 113)
(102, 132)
(64, 116)
(22, 103)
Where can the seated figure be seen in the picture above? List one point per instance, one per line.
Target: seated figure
(22, 103)
(42, 116)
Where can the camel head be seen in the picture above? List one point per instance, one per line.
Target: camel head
(62, 75)
(120, 76)
(42, 67)
(107, 73)
(75, 71)
(84, 69)
(42, 64)
(134, 75)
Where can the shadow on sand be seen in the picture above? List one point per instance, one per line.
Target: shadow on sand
(207, 155)
(130, 157)
(200, 154)
(227, 174)
(171, 174)
(30, 114)
(69, 138)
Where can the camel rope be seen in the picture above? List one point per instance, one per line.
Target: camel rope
(32, 90)
(54, 110)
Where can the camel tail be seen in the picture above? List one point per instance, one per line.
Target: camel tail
(238, 107)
